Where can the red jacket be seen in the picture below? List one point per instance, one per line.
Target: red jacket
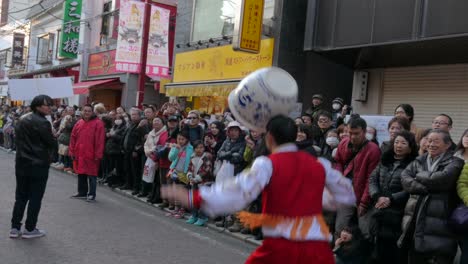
(87, 146)
(361, 166)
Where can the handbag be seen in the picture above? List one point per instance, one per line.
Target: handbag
(149, 171)
(459, 218)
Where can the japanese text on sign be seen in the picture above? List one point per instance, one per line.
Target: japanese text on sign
(69, 41)
(248, 33)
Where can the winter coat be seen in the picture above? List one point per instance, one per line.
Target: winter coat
(34, 140)
(307, 146)
(385, 181)
(205, 172)
(431, 202)
(114, 142)
(462, 185)
(234, 153)
(87, 146)
(134, 138)
(195, 133)
(65, 134)
(360, 167)
(174, 157)
(153, 140)
(163, 154)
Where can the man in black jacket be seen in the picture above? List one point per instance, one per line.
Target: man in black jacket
(35, 145)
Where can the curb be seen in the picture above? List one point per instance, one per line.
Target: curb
(238, 236)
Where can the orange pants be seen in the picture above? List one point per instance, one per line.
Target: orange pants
(281, 251)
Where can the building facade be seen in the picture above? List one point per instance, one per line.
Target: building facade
(418, 57)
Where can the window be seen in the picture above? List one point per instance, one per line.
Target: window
(214, 19)
(105, 26)
(45, 47)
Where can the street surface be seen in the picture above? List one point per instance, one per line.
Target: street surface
(113, 230)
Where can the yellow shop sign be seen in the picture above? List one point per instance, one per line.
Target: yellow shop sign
(220, 63)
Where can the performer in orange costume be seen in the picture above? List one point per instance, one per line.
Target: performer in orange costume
(292, 184)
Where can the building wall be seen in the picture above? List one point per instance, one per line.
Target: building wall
(314, 73)
(374, 94)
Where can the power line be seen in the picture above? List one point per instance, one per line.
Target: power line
(31, 7)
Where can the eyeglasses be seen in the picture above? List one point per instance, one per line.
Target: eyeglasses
(190, 118)
(439, 123)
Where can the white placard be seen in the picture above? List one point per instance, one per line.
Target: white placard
(27, 89)
(380, 123)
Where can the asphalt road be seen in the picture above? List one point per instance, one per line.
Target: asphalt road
(115, 229)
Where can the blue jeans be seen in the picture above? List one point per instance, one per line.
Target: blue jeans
(87, 185)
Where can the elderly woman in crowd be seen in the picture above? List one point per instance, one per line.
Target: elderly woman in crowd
(431, 182)
(395, 125)
(389, 198)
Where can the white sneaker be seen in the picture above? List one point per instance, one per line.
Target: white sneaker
(33, 234)
(60, 166)
(15, 233)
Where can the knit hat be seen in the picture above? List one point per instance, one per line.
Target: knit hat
(338, 100)
(318, 96)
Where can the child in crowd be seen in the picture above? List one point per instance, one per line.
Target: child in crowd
(333, 141)
(349, 247)
(180, 157)
(199, 173)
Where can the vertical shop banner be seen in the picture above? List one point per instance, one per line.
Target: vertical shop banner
(248, 27)
(158, 51)
(69, 41)
(130, 36)
(18, 50)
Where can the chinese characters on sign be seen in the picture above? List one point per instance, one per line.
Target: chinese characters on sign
(18, 50)
(248, 31)
(158, 51)
(130, 36)
(71, 29)
(221, 63)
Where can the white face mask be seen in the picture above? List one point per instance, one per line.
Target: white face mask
(333, 142)
(118, 122)
(336, 106)
(369, 136)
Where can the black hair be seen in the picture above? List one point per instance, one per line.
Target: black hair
(41, 100)
(184, 133)
(425, 132)
(283, 129)
(87, 105)
(325, 114)
(307, 130)
(409, 111)
(388, 156)
(357, 122)
(160, 118)
(460, 143)
(404, 123)
(196, 143)
(450, 123)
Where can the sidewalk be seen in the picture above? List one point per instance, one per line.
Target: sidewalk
(211, 225)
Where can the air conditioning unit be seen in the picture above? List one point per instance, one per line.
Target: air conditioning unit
(360, 84)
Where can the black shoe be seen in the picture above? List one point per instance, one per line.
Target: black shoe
(125, 187)
(78, 196)
(141, 195)
(135, 192)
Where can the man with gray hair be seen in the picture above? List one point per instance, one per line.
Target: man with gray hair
(133, 146)
(431, 180)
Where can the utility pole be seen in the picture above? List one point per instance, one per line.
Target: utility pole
(144, 53)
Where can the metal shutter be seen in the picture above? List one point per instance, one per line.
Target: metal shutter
(431, 90)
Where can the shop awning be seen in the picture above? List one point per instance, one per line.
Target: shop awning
(201, 88)
(45, 70)
(83, 87)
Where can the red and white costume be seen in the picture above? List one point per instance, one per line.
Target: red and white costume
(293, 185)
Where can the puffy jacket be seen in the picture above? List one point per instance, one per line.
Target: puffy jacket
(363, 164)
(114, 142)
(174, 157)
(34, 140)
(431, 202)
(234, 153)
(385, 181)
(462, 185)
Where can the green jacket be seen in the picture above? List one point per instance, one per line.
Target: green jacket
(462, 185)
